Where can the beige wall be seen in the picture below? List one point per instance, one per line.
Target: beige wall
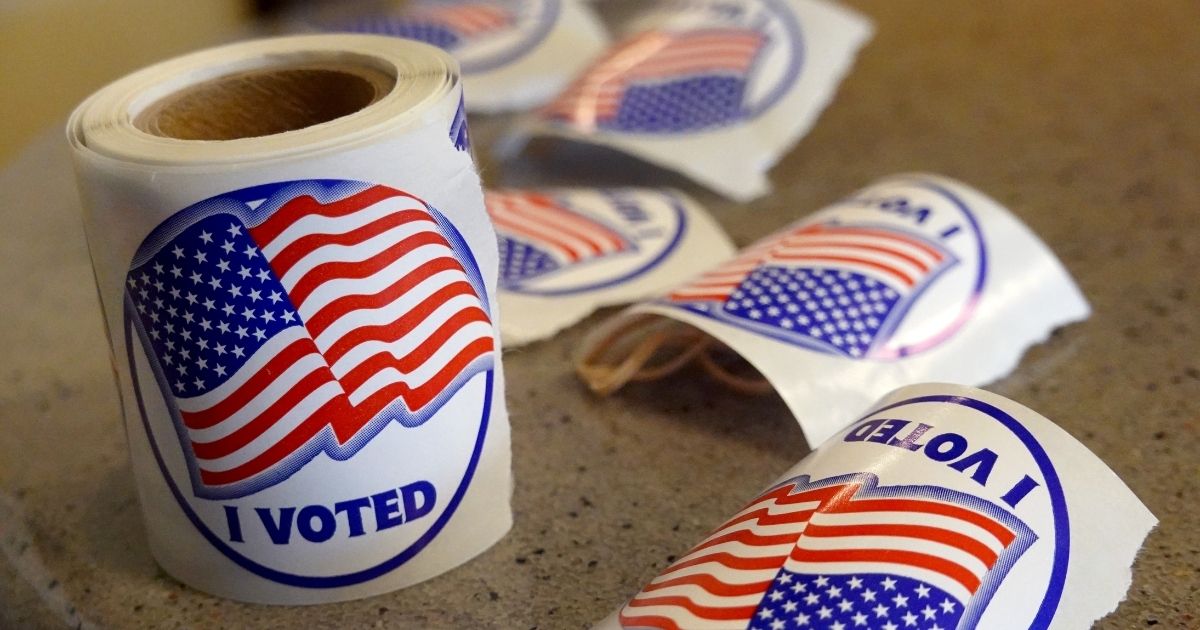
(53, 53)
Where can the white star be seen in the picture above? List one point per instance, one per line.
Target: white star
(158, 267)
(765, 613)
(234, 230)
(263, 275)
(186, 334)
(275, 297)
(223, 266)
(201, 364)
(228, 309)
(910, 619)
(200, 256)
(154, 334)
(825, 612)
(801, 619)
(268, 316)
(215, 283)
(235, 290)
(789, 606)
(777, 624)
(288, 316)
(259, 334)
(947, 606)
(172, 311)
(799, 587)
(206, 237)
(209, 304)
(178, 251)
(811, 599)
(186, 354)
(241, 332)
(238, 352)
(901, 601)
(179, 385)
(922, 591)
(889, 584)
(244, 272)
(248, 313)
(168, 359)
(786, 578)
(174, 292)
(833, 591)
(188, 317)
(219, 349)
(890, 626)
(775, 595)
(255, 295)
(203, 343)
(220, 370)
(929, 612)
(191, 298)
(880, 610)
(837, 625)
(855, 583)
(176, 271)
(859, 619)
(868, 595)
(228, 247)
(205, 324)
(845, 605)
(249, 251)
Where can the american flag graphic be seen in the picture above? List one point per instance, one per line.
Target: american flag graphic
(310, 327)
(663, 81)
(841, 289)
(539, 234)
(445, 24)
(839, 554)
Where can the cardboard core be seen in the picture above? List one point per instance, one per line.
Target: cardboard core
(264, 102)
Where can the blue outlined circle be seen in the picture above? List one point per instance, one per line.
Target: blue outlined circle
(1058, 499)
(282, 577)
(676, 239)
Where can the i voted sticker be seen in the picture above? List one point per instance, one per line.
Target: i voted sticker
(943, 507)
(565, 252)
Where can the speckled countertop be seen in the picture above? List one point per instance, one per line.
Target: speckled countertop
(1081, 117)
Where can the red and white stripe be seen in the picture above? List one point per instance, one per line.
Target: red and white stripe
(721, 581)
(466, 18)
(897, 259)
(381, 292)
(654, 56)
(566, 235)
(948, 546)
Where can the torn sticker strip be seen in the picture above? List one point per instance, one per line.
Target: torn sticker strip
(944, 507)
(716, 90)
(914, 278)
(566, 252)
(515, 54)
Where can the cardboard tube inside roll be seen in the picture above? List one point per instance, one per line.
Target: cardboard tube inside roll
(264, 102)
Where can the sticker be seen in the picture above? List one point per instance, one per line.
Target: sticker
(944, 507)
(916, 277)
(514, 54)
(307, 345)
(715, 90)
(565, 252)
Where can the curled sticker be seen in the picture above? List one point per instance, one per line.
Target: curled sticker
(716, 90)
(944, 507)
(916, 277)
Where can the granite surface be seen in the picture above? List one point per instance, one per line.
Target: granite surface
(1081, 117)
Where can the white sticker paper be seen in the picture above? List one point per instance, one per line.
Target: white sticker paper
(717, 90)
(566, 252)
(915, 278)
(944, 507)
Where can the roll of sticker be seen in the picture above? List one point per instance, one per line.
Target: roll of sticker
(718, 90)
(943, 507)
(564, 252)
(914, 278)
(515, 54)
(298, 280)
